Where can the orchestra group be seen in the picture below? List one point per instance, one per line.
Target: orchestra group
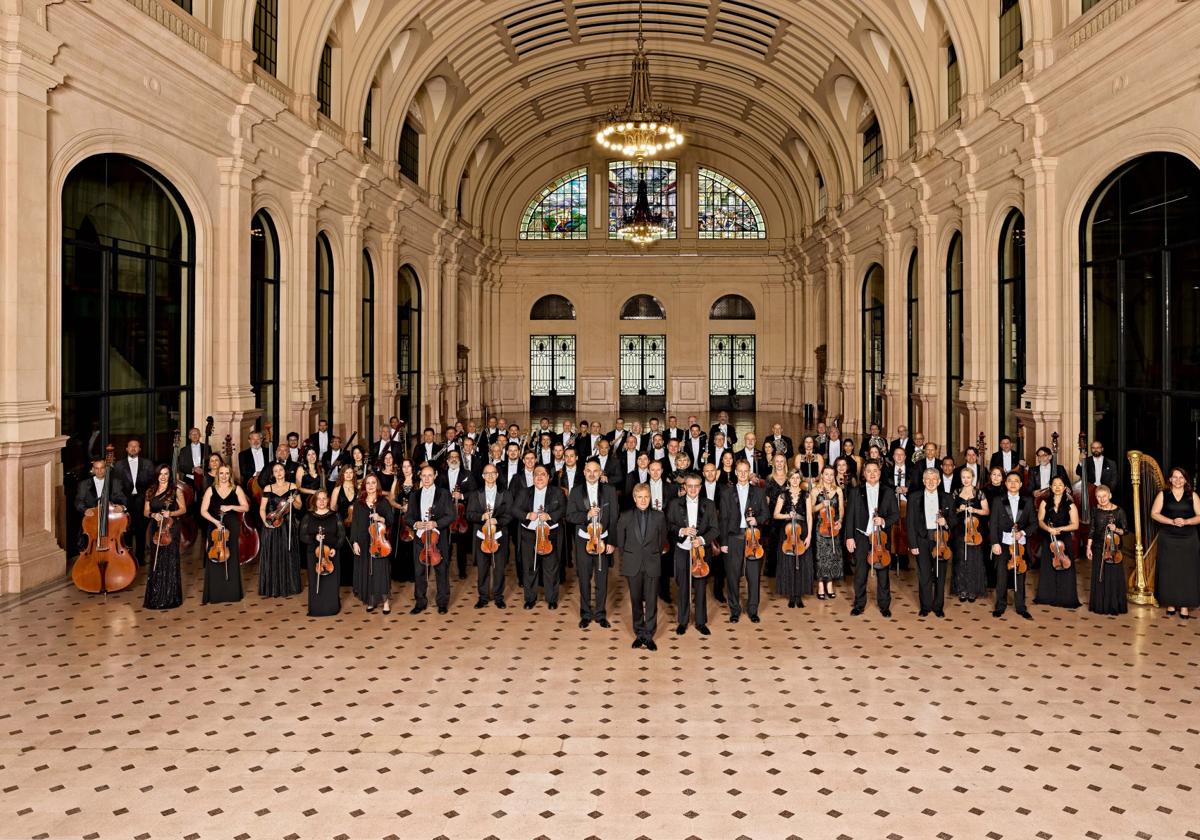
(653, 503)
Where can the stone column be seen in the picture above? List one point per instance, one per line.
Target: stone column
(431, 352)
(850, 341)
(449, 335)
(298, 388)
(929, 416)
(977, 398)
(349, 388)
(386, 297)
(31, 495)
(833, 335)
(895, 335)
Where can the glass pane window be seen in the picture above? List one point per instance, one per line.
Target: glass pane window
(953, 81)
(914, 335)
(325, 81)
(1011, 37)
(324, 343)
(264, 314)
(872, 151)
(872, 349)
(266, 35)
(661, 190)
(1012, 321)
(409, 154)
(954, 339)
(726, 210)
(559, 210)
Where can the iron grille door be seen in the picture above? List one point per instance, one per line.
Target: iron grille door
(551, 373)
(731, 372)
(644, 373)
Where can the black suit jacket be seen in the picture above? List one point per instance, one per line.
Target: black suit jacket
(912, 477)
(556, 507)
(502, 510)
(707, 522)
(465, 483)
(1109, 473)
(577, 507)
(444, 511)
(395, 447)
(730, 434)
(85, 494)
(1035, 477)
(185, 457)
(857, 513)
(330, 466)
(641, 555)
(1002, 519)
(916, 513)
(783, 445)
(696, 456)
(908, 446)
(578, 473)
(997, 460)
(140, 482)
(760, 467)
(731, 513)
(677, 433)
(419, 456)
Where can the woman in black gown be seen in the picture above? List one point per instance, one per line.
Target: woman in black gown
(342, 501)
(969, 577)
(310, 478)
(725, 469)
(323, 521)
(1177, 512)
(809, 462)
(278, 569)
(402, 557)
(993, 491)
(1108, 579)
(794, 575)
(222, 507)
(372, 574)
(772, 531)
(163, 507)
(1058, 518)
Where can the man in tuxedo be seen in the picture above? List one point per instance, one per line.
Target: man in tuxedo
(568, 436)
(320, 439)
(929, 510)
(610, 467)
(490, 503)
(640, 475)
(628, 456)
(724, 427)
(833, 445)
(293, 444)
(431, 509)
(1005, 457)
(492, 432)
(252, 460)
(871, 507)
(1100, 470)
(282, 458)
(90, 489)
(135, 474)
(717, 448)
(333, 460)
(540, 503)
(648, 437)
(903, 441)
(822, 441)
(948, 474)
(900, 476)
(572, 472)
(928, 459)
(385, 444)
(759, 468)
(742, 506)
(1044, 472)
(673, 432)
(640, 534)
(472, 462)
(781, 442)
(692, 520)
(696, 445)
(617, 437)
(592, 500)
(711, 490)
(193, 455)
(459, 483)
(875, 437)
(427, 451)
(1011, 517)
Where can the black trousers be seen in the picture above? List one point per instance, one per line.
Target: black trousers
(643, 600)
(441, 573)
(666, 571)
(462, 549)
(535, 569)
(693, 591)
(931, 577)
(737, 565)
(862, 568)
(489, 570)
(587, 568)
(716, 572)
(1005, 579)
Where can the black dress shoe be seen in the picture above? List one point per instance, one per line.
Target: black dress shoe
(604, 623)
(650, 645)
(997, 613)
(637, 643)
(500, 605)
(886, 613)
(529, 605)
(923, 613)
(1025, 614)
(680, 629)
(416, 610)
(940, 614)
(443, 609)
(754, 617)
(553, 605)
(481, 603)
(703, 629)
(856, 611)
(584, 622)
(733, 619)
(371, 609)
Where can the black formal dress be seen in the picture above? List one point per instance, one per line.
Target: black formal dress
(993, 494)
(772, 528)
(969, 580)
(278, 566)
(1178, 569)
(324, 596)
(794, 572)
(223, 581)
(343, 505)
(372, 575)
(1108, 593)
(1057, 587)
(402, 557)
(164, 583)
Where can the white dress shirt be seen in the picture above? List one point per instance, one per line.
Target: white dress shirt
(1014, 504)
(427, 496)
(835, 451)
(259, 459)
(197, 458)
(872, 507)
(693, 516)
(593, 496)
(539, 502)
(743, 494)
(489, 502)
(1098, 464)
(947, 482)
(656, 494)
(133, 472)
(931, 509)
(322, 443)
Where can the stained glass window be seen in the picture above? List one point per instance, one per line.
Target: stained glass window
(726, 210)
(559, 210)
(662, 187)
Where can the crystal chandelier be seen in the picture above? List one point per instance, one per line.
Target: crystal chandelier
(641, 226)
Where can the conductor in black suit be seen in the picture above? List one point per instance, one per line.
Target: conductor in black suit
(692, 518)
(639, 535)
(870, 507)
(592, 497)
(929, 509)
(743, 505)
(134, 474)
(430, 507)
(544, 503)
(1004, 521)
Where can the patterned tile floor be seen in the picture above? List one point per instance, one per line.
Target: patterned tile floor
(252, 720)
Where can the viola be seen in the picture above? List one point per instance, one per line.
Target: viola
(543, 546)
(431, 554)
(753, 537)
(793, 539)
(828, 526)
(380, 547)
(879, 556)
(1016, 555)
(699, 564)
(105, 564)
(489, 544)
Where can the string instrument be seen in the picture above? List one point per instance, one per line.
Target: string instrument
(105, 564)
(793, 540)
(218, 546)
(699, 564)
(971, 535)
(878, 556)
(199, 469)
(753, 537)
(248, 539)
(828, 526)
(1112, 547)
(1040, 495)
(489, 544)
(324, 564)
(459, 525)
(380, 547)
(162, 531)
(899, 534)
(543, 546)
(941, 545)
(1086, 497)
(253, 485)
(595, 539)
(1016, 555)
(276, 514)
(430, 554)
(405, 529)
(1058, 553)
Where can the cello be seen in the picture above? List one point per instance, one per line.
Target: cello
(248, 539)
(252, 486)
(105, 564)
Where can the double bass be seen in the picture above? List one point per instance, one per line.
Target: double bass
(249, 542)
(252, 486)
(105, 564)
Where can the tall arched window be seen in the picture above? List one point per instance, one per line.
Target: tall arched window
(323, 372)
(127, 258)
(872, 150)
(552, 308)
(954, 341)
(1011, 37)
(559, 210)
(264, 315)
(726, 210)
(325, 81)
(643, 308)
(914, 336)
(265, 37)
(732, 308)
(953, 81)
(368, 120)
(408, 155)
(408, 346)
(368, 336)
(1140, 299)
(1012, 321)
(872, 347)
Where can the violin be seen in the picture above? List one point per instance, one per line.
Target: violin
(380, 547)
(828, 526)
(1016, 555)
(1058, 553)
(406, 531)
(1112, 547)
(459, 525)
(753, 537)
(430, 554)
(543, 546)
(276, 514)
(971, 535)
(105, 564)
(793, 540)
(699, 564)
(879, 556)
(595, 540)
(941, 544)
(489, 544)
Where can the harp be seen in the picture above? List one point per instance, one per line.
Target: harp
(1147, 478)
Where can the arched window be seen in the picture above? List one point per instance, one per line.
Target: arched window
(552, 308)
(559, 210)
(954, 340)
(872, 348)
(264, 315)
(1140, 298)
(186, 5)
(127, 292)
(323, 372)
(408, 346)
(325, 81)
(953, 81)
(1012, 321)
(408, 155)
(643, 308)
(1011, 36)
(872, 150)
(726, 210)
(368, 119)
(914, 336)
(368, 336)
(266, 35)
(661, 191)
(732, 308)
